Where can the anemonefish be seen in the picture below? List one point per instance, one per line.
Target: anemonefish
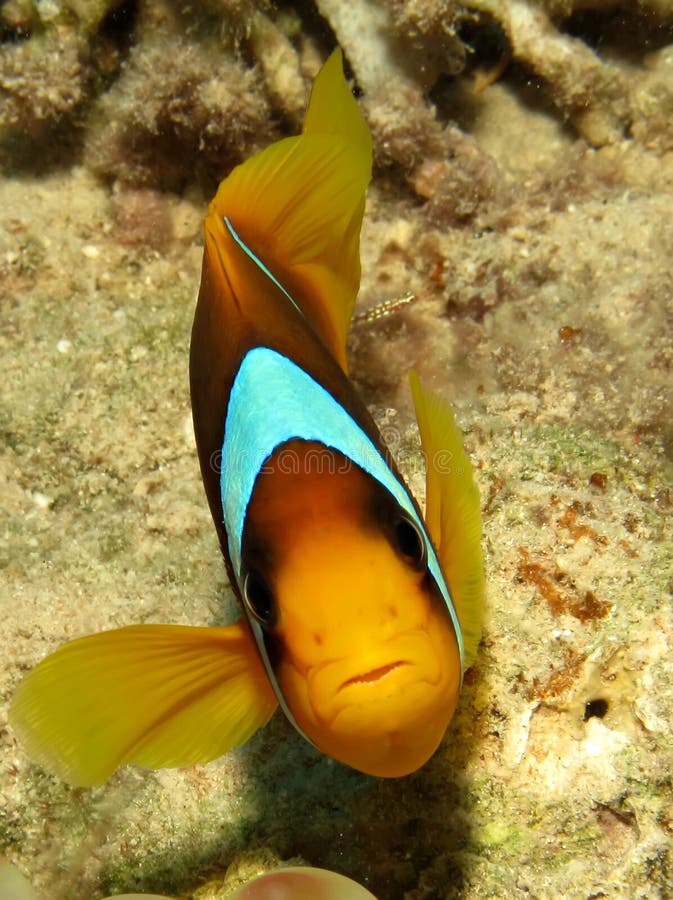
(359, 616)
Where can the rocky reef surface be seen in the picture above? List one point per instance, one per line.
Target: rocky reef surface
(523, 192)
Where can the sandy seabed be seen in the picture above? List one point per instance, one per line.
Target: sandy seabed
(548, 321)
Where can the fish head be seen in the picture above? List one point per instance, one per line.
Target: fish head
(358, 634)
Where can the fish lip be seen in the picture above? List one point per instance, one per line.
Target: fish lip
(373, 675)
(340, 682)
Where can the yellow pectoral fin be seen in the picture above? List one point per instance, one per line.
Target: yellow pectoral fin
(155, 695)
(298, 207)
(452, 510)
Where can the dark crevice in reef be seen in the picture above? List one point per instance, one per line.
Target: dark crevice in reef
(487, 43)
(618, 34)
(595, 709)
(313, 22)
(118, 26)
(13, 34)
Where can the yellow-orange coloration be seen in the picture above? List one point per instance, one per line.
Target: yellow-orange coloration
(369, 663)
(363, 640)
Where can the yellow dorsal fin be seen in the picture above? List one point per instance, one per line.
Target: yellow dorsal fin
(332, 109)
(298, 207)
(155, 695)
(452, 510)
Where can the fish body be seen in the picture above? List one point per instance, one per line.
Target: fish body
(360, 615)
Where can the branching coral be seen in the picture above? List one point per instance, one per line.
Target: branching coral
(189, 99)
(281, 67)
(429, 36)
(442, 165)
(53, 60)
(23, 18)
(42, 81)
(177, 107)
(585, 88)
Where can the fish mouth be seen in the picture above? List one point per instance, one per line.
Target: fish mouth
(365, 683)
(374, 675)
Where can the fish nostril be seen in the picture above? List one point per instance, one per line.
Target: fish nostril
(374, 675)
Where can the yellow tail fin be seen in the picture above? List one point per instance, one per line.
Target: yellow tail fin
(298, 207)
(452, 511)
(155, 695)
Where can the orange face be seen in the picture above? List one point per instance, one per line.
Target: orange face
(361, 642)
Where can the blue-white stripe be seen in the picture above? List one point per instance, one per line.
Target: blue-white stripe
(273, 401)
(258, 262)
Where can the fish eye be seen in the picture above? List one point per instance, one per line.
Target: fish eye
(258, 598)
(409, 541)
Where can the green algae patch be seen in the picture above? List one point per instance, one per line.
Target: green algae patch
(500, 834)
